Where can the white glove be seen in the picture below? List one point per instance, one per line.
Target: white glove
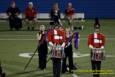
(50, 43)
(51, 46)
(102, 47)
(63, 45)
(90, 46)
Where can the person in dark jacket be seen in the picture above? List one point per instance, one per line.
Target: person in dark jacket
(13, 13)
(42, 48)
(55, 15)
(68, 52)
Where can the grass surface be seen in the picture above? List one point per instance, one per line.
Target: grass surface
(14, 42)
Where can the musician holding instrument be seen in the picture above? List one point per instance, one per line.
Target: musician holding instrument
(68, 52)
(56, 41)
(42, 47)
(96, 43)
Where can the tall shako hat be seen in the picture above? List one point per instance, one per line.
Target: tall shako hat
(96, 24)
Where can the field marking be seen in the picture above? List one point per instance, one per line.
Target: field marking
(75, 75)
(75, 55)
(11, 39)
(28, 55)
(35, 35)
(19, 35)
(3, 39)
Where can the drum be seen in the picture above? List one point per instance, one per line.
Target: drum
(58, 52)
(97, 54)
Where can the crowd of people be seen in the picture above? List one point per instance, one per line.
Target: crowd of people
(58, 39)
(60, 42)
(30, 15)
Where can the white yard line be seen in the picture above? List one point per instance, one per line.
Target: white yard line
(75, 55)
(16, 35)
(11, 39)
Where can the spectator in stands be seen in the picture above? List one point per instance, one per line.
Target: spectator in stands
(69, 13)
(30, 16)
(13, 13)
(55, 15)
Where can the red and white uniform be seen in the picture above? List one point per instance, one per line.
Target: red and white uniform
(96, 40)
(56, 40)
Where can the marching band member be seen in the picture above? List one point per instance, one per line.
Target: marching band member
(76, 40)
(68, 52)
(56, 41)
(42, 48)
(96, 43)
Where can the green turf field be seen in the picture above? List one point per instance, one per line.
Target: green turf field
(12, 43)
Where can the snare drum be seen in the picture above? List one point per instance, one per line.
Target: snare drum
(97, 54)
(58, 52)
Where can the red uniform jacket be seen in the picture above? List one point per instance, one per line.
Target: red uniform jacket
(97, 40)
(56, 38)
(69, 12)
(30, 12)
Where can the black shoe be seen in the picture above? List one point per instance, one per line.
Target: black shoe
(17, 29)
(11, 29)
(32, 28)
(75, 67)
(64, 71)
(70, 71)
(28, 28)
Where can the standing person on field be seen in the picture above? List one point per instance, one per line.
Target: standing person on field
(30, 16)
(42, 48)
(96, 43)
(56, 41)
(68, 52)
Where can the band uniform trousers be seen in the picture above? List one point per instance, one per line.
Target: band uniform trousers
(68, 54)
(42, 53)
(56, 67)
(96, 65)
